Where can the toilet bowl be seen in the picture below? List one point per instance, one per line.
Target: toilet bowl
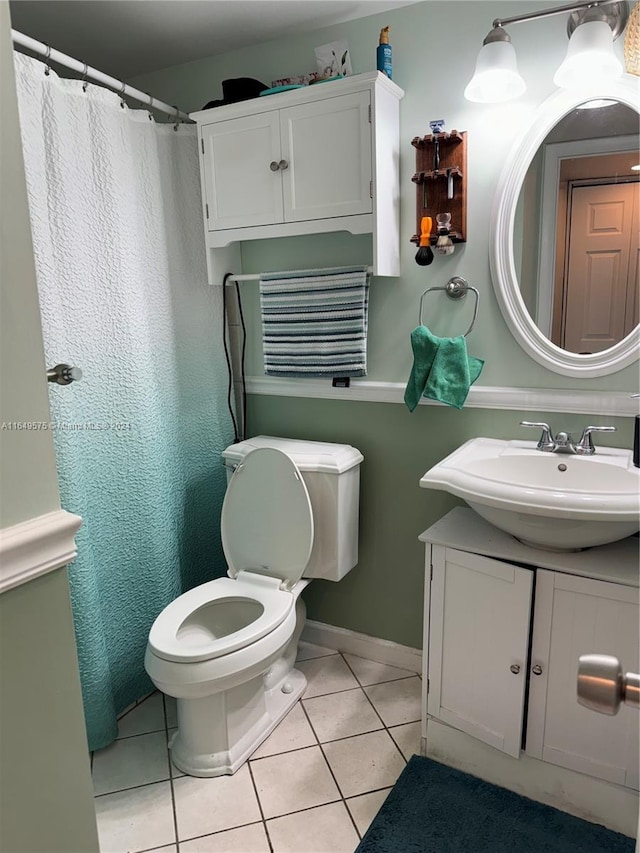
(226, 649)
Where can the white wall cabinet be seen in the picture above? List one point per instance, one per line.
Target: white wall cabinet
(316, 159)
(505, 625)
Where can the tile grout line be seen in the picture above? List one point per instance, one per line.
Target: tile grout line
(264, 821)
(359, 686)
(133, 787)
(220, 832)
(333, 776)
(342, 798)
(364, 691)
(173, 798)
(139, 734)
(386, 727)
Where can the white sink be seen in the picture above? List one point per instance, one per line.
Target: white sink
(555, 501)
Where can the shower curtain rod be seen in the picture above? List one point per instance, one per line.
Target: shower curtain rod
(53, 55)
(255, 276)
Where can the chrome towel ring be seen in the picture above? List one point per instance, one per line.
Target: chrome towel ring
(455, 288)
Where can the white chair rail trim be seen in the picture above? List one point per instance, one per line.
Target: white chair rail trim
(37, 546)
(606, 403)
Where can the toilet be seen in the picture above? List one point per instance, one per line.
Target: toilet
(226, 649)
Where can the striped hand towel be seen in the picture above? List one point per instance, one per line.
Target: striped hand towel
(314, 322)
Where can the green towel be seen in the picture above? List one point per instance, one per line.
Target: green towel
(442, 370)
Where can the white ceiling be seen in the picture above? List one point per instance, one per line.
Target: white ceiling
(129, 37)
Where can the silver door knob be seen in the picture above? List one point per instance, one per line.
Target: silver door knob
(283, 165)
(602, 686)
(515, 668)
(274, 165)
(64, 374)
(537, 669)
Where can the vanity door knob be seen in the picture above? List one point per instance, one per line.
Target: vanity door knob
(283, 165)
(515, 668)
(537, 669)
(274, 165)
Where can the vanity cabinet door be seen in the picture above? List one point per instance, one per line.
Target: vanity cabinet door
(327, 148)
(575, 616)
(480, 612)
(242, 189)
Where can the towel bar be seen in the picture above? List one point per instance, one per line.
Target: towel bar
(255, 276)
(455, 288)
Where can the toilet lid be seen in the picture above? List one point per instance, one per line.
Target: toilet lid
(267, 522)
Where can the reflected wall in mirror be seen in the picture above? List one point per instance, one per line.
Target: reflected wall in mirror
(576, 226)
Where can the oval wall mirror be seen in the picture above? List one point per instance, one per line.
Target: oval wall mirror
(564, 243)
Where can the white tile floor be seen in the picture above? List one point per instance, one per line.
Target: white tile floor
(312, 787)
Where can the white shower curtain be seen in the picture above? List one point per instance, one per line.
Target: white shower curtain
(115, 210)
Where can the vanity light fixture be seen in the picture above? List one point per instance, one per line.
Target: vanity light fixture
(592, 27)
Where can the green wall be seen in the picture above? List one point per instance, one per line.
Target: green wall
(382, 596)
(46, 795)
(434, 48)
(28, 482)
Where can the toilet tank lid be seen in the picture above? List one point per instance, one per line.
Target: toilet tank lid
(307, 455)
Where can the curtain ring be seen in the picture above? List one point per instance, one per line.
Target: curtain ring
(85, 82)
(122, 103)
(177, 122)
(47, 60)
(150, 107)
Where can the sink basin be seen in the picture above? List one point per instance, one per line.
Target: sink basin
(554, 501)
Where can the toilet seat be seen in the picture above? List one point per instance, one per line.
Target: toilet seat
(267, 537)
(267, 521)
(168, 641)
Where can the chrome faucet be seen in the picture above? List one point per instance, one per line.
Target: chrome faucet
(564, 442)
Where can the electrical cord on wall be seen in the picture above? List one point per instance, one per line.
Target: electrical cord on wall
(238, 435)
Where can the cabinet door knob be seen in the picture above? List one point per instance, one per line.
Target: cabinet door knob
(515, 668)
(537, 669)
(283, 165)
(274, 165)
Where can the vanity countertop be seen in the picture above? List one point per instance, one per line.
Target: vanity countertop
(464, 529)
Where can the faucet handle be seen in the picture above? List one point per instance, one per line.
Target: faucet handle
(585, 446)
(546, 442)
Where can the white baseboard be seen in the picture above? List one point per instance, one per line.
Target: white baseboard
(362, 645)
(37, 546)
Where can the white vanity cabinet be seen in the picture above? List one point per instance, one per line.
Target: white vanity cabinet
(478, 642)
(573, 616)
(315, 159)
(505, 625)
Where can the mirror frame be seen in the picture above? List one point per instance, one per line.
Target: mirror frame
(503, 270)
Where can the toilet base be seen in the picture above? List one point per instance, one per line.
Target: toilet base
(225, 729)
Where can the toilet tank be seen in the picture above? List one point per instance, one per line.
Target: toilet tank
(331, 473)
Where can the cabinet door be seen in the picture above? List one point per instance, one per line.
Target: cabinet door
(479, 636)
(575, 616)
(241, 189)
(327, 145)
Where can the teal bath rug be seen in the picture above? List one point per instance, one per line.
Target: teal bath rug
(436, 809)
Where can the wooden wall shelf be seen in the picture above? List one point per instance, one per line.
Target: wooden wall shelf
(441, 167)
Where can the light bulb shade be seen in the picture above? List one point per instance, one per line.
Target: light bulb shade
(496, 77)
(590, 57)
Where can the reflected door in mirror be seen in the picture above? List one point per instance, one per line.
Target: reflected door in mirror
(598, 302)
